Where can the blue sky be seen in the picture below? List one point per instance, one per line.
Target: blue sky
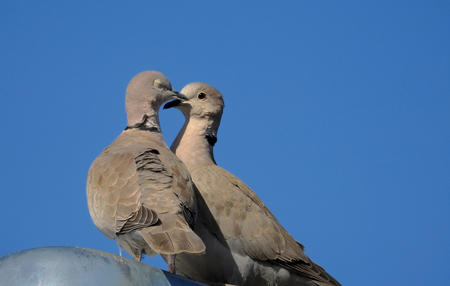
(337, 115)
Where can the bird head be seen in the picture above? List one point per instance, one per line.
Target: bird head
(145, 94)
(203, 101)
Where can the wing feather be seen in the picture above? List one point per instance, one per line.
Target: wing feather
(246, 221)
(134, 190)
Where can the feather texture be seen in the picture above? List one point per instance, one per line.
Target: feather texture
(138, 190)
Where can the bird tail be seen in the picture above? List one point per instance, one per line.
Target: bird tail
(173, 236)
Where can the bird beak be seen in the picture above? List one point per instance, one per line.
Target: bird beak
(173, 103)
(179, 96)
(179, 100)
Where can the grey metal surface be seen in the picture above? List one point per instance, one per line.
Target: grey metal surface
(75, 266)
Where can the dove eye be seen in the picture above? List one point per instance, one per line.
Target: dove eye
(160, 85)
(201, 95)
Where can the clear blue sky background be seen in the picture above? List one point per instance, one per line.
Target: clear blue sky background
(337, 115)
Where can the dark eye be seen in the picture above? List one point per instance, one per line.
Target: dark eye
(201, 95)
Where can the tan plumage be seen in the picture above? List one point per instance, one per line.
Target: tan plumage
(246, 224)
(139, 193)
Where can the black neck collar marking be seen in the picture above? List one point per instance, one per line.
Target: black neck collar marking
(144, 126)
(211, 138)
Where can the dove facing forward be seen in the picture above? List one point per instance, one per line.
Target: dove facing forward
(139, 193)
(262, 250)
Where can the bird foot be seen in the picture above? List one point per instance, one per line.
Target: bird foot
(170, 259)
(137, 258)
(172, 268)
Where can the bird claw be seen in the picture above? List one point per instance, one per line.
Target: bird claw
(170, 259)
(172, 268)
(137, 258)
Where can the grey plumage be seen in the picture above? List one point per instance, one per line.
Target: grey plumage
(255, 244)
(139, 193)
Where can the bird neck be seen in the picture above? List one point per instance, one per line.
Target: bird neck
(133, 136)
(148, 120)
(194, 143)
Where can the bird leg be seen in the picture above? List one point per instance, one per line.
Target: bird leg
(138, 257)
(170, 259)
